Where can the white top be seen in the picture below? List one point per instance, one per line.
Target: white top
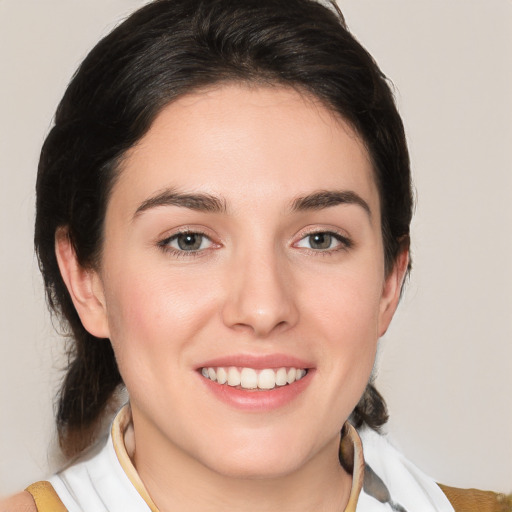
(106, 480)
(408, 487)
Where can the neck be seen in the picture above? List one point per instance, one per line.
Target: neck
(177, 481)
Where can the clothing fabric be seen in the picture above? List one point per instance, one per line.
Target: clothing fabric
(393, 483)
(45, 497)
(100, 481)
(383, 479)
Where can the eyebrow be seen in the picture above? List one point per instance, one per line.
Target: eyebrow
(327, 198)
(213, 204)
(170, 197)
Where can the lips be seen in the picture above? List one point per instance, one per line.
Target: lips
(256, 383)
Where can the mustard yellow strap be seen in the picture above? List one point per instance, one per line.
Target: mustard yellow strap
(475, 500)
(45, 497)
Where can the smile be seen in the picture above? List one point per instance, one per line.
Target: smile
(252, 379)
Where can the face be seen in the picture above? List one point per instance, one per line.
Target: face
(242, 280)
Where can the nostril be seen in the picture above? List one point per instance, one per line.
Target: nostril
(259, 302)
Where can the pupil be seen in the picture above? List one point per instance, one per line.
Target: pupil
(321, 241)
(189, 242)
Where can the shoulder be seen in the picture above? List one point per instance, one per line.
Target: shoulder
(475, 500)
(22, 502)
(39, 496)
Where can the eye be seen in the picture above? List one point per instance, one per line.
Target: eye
(324, 241)
(187, 242)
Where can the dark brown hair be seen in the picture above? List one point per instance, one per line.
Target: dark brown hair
(164, 50)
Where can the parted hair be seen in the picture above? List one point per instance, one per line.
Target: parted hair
(164, 50)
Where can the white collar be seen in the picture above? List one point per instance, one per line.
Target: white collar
(107, 481)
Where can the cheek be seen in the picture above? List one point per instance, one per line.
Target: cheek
(348, 302)
(150, 309)
(346, 316)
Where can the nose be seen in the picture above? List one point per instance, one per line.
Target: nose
(260, 296)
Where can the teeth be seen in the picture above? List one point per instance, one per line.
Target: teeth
(267, 379)
(281, 377)
(290, 376)
(222, 376)
(233, 377)
(249, 378)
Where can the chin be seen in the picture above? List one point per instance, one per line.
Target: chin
(263, 468)
(258, 456)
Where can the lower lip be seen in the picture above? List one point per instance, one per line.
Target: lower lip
(259, 400)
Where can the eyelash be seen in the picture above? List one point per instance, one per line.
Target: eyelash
(344, 243)
(181, 253)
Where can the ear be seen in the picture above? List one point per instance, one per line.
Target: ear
(392, 289)
(84, 287)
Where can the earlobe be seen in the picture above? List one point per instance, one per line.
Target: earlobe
(84, 286)
(392, 290)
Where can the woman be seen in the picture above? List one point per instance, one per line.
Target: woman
(223, 220)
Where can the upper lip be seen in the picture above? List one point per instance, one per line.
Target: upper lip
(258, 362)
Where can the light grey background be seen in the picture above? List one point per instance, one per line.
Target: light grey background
(446, 363)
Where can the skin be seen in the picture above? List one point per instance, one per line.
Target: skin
(258, 285)
(22, 502)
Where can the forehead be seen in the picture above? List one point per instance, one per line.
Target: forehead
(247, 143)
